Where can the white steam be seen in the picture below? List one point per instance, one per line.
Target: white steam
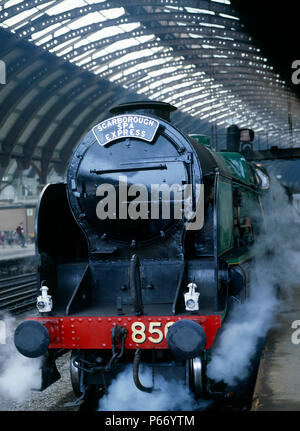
(277, 266)
(18, 374)
(124, 396)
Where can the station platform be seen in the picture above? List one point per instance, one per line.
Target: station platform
(16, 251)
(278, 381)
(17, 260)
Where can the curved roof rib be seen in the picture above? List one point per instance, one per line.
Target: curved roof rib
(69, 62)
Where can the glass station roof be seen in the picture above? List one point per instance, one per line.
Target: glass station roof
(193, 54)
(164, 49)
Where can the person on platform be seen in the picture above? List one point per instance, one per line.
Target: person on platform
(20, 233)
(2, 239)
(10, 238)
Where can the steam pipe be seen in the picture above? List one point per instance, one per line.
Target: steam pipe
(136, 364)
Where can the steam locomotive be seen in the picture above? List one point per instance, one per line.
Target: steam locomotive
(141, 253)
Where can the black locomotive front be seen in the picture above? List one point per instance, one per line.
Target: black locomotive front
(124, 254)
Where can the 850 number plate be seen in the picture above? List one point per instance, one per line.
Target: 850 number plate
(155, 333)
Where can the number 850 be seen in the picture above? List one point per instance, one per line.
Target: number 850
(139, 332)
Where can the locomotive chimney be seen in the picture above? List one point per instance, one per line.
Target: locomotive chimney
(159, 109)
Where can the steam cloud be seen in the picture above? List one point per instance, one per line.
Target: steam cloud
(124, 396)
(236, 345)
(18, 374)
(278, 265)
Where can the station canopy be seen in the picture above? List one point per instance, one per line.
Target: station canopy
(68, 62)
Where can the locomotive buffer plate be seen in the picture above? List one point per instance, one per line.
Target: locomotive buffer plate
(125, 126)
